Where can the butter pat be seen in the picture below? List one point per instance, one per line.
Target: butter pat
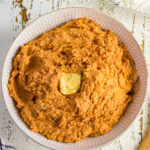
(70, 83)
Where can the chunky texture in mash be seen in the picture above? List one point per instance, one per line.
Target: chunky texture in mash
(79, 46)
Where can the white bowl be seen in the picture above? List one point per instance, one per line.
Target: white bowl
(52, 20)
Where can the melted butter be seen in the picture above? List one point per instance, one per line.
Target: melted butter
(70, 83)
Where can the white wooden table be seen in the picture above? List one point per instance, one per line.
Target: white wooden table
(9, 29)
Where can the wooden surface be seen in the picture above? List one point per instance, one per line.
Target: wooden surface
(9, 29)
(145, 144)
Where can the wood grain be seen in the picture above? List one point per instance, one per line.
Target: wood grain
(145, 144)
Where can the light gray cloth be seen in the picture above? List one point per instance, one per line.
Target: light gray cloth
(5, 145)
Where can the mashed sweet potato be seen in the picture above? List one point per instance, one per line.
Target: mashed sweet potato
(79, 46)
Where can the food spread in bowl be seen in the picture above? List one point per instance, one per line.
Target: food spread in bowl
(73, 81)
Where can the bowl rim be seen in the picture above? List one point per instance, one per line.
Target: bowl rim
(49, 13)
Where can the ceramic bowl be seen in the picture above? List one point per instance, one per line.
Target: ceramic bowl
(52, 20)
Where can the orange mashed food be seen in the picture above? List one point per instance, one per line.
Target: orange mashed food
(79, 46)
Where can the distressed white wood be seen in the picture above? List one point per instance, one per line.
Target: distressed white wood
(9, 29)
